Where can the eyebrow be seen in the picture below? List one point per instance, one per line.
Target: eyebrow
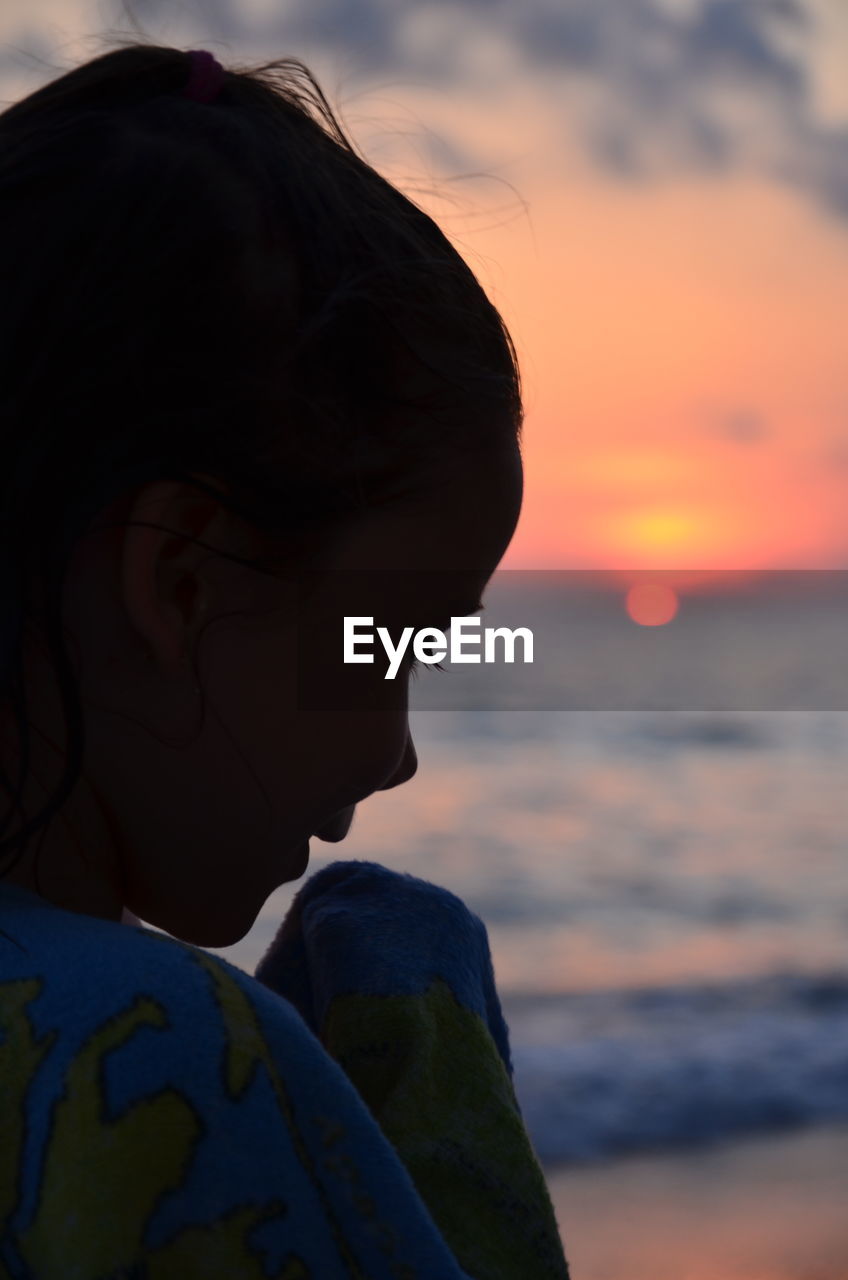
(478, 608)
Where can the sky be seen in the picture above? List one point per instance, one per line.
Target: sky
(654, 193)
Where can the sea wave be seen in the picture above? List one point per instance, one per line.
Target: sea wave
(600, 1074)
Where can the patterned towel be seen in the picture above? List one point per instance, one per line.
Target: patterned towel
(394, 976)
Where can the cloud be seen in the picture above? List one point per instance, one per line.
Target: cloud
(744, 426)
(836, 453)
(724, 86)
(669, 88)
(741, 424)
(654, 88)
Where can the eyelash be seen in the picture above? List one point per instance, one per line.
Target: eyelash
(415, 667)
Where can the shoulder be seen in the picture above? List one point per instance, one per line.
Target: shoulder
(80, 970)
(144, 1014)
(91, 982)
(119, 1041)
(154, 1086)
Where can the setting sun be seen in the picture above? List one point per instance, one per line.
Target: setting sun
(651, 604)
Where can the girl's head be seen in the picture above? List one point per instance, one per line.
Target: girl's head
(234, 359)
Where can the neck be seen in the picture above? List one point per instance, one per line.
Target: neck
(71, 861)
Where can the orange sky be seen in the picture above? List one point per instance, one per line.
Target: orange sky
(648, 319)
(684, 350)
(683, 340)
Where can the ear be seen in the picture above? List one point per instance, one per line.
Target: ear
(162, 589)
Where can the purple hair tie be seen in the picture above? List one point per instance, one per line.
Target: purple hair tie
(206, 76)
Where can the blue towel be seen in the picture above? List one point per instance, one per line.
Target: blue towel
(394, 975)
(165, 1116)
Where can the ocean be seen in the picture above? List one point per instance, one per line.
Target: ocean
(665, 890)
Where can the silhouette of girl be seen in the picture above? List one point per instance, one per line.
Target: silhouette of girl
(235, 360)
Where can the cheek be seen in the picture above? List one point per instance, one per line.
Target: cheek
(353, 754)
(316, 748)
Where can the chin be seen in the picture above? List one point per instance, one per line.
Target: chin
(215, 936)
(226, 918)
(209, 929)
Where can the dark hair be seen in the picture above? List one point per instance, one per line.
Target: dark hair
(263, 298)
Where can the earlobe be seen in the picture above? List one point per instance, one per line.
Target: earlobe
(162, 592)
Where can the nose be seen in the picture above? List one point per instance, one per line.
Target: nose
(406, 769)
